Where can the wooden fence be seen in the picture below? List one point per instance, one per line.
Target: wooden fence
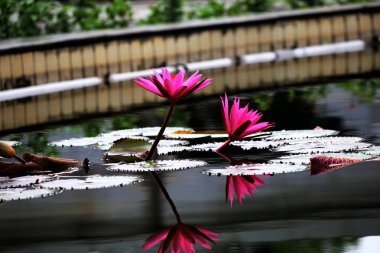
(66, 57)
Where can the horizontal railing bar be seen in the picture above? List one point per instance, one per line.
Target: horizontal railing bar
(44, 89)
(279, 55)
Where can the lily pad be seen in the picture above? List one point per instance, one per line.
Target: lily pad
(299, 134)
(22, 181)
(159, 165)
(321, 164)
(304, 159)
(130, 145)
(255, 169)
(105, 140)
(207, 146)
(89, 182)
(257, 144)
(171, 150)
(318, 148)
(25, 193)
(190, 134)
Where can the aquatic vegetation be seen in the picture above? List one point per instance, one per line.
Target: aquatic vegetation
(320, 164)
(173, 88)
(239, 122)
(159, 165)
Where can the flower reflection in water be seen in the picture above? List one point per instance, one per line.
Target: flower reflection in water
(181, 236)
(242, 186)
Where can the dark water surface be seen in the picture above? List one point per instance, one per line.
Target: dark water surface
(295, 212)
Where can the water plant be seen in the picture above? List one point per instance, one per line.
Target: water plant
(239, 122)
(174, 88)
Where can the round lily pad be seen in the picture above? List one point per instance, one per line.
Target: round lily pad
(159, 165)
(89, 182)
(22, 181)
(255, 169)
(299, 134)
(10, 194)
(304, 159)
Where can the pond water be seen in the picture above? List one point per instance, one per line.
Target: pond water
(337, 211)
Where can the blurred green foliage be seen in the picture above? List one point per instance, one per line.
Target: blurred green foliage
(165, 11)
(24, 18)
(364, 90)
(168, 11)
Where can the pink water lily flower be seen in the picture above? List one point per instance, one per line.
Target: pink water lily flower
(173, 87)
(181, 237)
(240, 122)
(242, 186)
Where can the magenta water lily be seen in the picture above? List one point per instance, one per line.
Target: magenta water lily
(173, 87)
(240, 122)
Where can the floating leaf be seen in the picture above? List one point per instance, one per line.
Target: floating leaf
(323, 145)
(159, 165)
(89, 182)
(299, 134)
(170, 150)
(207, 146)
(170, 143)
(255, 169)
(304, 159)
(105, 140)
(22, 181)
(321, 164)
(130, 145)
(128, 157)
(257, 144)
(153, 131)
(188, 135)
(25, 193)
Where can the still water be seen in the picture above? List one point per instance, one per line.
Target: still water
(294, 212)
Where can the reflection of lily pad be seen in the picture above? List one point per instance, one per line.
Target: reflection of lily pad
(255, 169)
(160, 165)
(89, 182)
(22, 181)
(25, 193)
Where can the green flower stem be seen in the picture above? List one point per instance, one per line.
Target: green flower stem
(162, 130)
(166, 194)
